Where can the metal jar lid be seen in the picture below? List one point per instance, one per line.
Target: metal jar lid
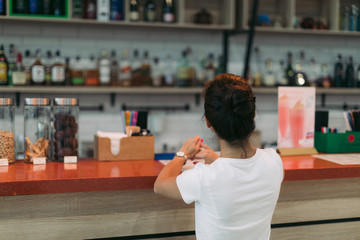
(37, 101)
(6, 102)
(66, 102)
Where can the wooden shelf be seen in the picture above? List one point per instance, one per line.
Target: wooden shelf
(150, 90)
(99, 90)
(307, 31)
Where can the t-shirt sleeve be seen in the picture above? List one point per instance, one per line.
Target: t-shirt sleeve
(189, 184)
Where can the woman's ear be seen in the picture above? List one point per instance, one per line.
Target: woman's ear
(209, 125)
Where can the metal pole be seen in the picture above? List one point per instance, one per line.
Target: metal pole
(250, 38)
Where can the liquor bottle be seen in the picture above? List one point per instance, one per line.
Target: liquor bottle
(313, 73)
(169, 72)
(28, 61)
(11, 63)
(183, 72)
(146, 70)
(3, 67)
(58, 7)
(300, 76)
(48, 63)
(136, 72)
(104, 68)
(19, 75)
(358, 76)
(325, 76)
(210, 68)
(103, 10)
(58, 70)
(3, 7)
(157, 73)
(114, 69)
(125, 69)
(350, 74)
(20, 7)
(34, 6)
(201, 69)
(257, 71)
(90, 9)
(354, 18)
(77, 9)
(117, 10)
(345, 19)
(38, 70)
(289, 70)
(77, 72)
(338, 75)
(282, 75)
(269, 77)
(168, 11)
(68, 74)
(150, 11)
(134, 11)
(91, 72)
(46, 7)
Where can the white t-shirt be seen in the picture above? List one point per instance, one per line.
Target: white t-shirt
(234, 198)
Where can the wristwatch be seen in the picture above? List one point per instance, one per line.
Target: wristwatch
(181, 154)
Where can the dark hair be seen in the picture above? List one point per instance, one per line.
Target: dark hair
(230, 107)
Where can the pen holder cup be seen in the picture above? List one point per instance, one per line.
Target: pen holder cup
(131, 148)
(348, 142)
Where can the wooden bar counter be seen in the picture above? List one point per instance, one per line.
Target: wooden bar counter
(91, 199)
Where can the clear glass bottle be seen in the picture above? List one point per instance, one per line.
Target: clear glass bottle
(134, 11)
(125, 69)
(38, 71)
(58, 70)
(37, 129)
(7, 135)
(104, 66)
(66, 125)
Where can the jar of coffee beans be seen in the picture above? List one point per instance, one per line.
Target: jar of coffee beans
(37, 129)
(66, 119)
(7, 138)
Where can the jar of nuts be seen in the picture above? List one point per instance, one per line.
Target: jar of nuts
(37, 128)
(7, 138)
(66, 118)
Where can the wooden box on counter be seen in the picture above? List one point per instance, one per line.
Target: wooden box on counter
(131, 148)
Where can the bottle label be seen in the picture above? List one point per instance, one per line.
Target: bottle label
(151, 15)
(134, 16)
(77, 80)
(125, 72)
(19, 78)
(58, 74)
(38, 74)
(169, 17)
(184, 73)
(3, 72)
(104, 74)
(91, 81)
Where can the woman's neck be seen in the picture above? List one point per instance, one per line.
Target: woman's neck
(245, 150)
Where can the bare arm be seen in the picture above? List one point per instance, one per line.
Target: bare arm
(165, 183)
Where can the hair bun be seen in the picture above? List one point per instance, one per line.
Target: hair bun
(239, 103)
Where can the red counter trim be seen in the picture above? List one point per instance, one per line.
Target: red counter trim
(89, 175)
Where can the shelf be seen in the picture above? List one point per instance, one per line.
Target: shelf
(99, 90)
(307, 31)
(151, 90)
(117, 23)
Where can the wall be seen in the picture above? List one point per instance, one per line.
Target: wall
(171, 128)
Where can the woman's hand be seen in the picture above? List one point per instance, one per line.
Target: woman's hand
(191, 147)
(207, 154)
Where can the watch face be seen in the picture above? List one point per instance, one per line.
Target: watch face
(180, 154)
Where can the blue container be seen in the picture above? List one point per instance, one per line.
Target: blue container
(117, 10)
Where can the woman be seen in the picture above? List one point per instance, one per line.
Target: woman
(234, 194)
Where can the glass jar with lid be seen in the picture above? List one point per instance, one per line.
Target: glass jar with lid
(66, 119)
(7, 135)
(37, 129)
